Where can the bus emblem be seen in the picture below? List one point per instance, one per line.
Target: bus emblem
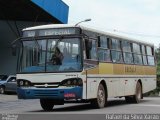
(46, 85)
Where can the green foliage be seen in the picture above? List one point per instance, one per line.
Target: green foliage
(157, 54)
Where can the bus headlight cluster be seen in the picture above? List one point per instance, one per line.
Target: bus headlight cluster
(23, 83)
(72, 82)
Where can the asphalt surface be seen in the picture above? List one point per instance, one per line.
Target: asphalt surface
(11, 105)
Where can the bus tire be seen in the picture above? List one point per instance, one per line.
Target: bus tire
(101, 99)
(129, 99)
(47, 104)
(138, 93)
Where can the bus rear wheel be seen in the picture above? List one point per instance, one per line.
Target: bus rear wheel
(47, 104)
(138, 95)
(101, 99)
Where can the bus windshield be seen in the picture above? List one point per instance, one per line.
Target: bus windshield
(51, 55)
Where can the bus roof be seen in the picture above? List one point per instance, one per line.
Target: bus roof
(49, 26)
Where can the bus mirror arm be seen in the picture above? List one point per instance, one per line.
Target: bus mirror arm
(14, 46)
(14, 50)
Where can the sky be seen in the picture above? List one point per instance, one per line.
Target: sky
(138, 19)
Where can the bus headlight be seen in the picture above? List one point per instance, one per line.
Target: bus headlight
(72, 82)
(23, 83)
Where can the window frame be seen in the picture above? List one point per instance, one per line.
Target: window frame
(116, 39)
(103, 48)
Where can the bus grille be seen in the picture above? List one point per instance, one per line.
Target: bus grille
(46, 93)
(46, 85)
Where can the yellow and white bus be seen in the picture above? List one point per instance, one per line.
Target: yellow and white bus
(91, 66)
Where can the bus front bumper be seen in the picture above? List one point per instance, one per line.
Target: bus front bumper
(50, 93)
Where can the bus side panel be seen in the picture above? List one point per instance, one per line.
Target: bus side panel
(130, 86)
(84, 92)
(110, 88)
(149, 84)
(92, 87)
(115, 87)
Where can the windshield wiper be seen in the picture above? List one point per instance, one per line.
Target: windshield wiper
(60, 39)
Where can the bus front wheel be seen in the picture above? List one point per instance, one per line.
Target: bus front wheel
(47, 104)
(101, 99)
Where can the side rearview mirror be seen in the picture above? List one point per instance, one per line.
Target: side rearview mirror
(14, 46)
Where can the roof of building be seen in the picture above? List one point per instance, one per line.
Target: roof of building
(52, 11)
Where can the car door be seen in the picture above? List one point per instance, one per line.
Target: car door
(11, 84)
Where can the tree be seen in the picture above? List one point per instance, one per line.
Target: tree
(157, 54)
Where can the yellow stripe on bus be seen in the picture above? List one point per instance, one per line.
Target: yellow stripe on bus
(122, 69)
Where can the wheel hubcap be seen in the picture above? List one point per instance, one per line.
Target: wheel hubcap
(139, 94)
(101, 96)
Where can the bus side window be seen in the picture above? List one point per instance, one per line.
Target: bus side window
(149, 50)
(150, 56)
(137, 54)
(127, 52)
(91, 49)
(103, 49)
(145, 62)
(88, 47)
(116, 52)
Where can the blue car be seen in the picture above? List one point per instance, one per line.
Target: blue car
(8, 84)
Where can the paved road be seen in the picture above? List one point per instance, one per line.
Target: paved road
(10, 104)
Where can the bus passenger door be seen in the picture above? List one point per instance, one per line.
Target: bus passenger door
(91, 67)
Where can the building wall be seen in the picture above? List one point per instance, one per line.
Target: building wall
(43, 10)
(8, 33)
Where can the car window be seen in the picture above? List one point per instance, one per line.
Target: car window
(12, 79)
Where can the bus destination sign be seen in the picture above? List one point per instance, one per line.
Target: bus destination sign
(49, 32)
(58, 31)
